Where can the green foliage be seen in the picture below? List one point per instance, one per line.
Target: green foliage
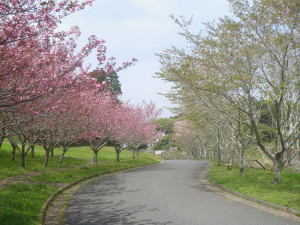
(259, 184)
(166, 143)
(163, 144)
(112, 82)
(165, 124)
(21, 203)
(267, 133)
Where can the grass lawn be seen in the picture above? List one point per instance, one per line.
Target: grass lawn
(258, 183)
(21, 203)
(105, 167)
(9, 168)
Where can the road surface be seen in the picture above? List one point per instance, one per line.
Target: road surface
(167, 193)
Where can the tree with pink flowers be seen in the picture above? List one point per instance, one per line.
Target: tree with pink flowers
(40, 68)
(133, 126)
(97, 111)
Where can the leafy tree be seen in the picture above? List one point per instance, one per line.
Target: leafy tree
(109, 82)
(253, 55)
(165, 124)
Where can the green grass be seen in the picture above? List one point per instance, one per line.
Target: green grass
(258, 183)
(105, 154)
(21, 203)
(9, 168)
(104, 167)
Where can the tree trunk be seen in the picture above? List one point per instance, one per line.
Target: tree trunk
(32, 151)
(297, 148)
(298, 162)
(118, 155)
(232, 155)
(13, 155)
(278, 164)
(242, 161)
(95, 157)
(52, 152)
(61, 157)
(65, 149)
(133, 154)
(46, 157)
(1, 141)
(219, 149)
(22, 159)
(137, 153)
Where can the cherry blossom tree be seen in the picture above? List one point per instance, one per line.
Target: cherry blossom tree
(45, 91)
(143, 128)
(97, 112)
(133, 126)
(33, 57)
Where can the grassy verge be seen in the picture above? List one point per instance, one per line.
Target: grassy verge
(10, 168)
(71, 175)
(258, 183)
(21, 204)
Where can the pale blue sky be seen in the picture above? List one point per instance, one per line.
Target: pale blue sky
(141, 28)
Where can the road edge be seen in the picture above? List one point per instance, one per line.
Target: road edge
(211, 182)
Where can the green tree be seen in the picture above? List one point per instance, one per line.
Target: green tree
(112, 82)
(253, 55)
(165, 124)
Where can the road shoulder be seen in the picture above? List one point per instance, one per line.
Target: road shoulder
(246, 200)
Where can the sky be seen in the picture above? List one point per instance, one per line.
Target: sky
(141, 29)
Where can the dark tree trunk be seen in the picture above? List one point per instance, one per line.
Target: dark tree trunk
(95, 157)
(137, 153)
(117, 152)
(278, 164)
(22, 154)
(13, 155)
(32, 151)
(46, 157)
(133, 154)
(52, 152)
(1, 141)
(22, 160)
(118, 155)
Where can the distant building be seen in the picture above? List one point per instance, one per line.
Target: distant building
(158, 152)
(159, 136)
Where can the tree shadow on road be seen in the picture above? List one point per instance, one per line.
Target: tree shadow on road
(94, 204)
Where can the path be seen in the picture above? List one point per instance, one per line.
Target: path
(168, 193)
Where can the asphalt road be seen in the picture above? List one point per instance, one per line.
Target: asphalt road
(168, 193)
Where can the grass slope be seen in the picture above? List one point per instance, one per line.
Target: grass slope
(258, 183)
(22, 203)
(10, 168)
(105, 167)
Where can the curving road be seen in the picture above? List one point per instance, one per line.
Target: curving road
(168, 193)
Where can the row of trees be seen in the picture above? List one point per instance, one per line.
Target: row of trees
(240, 71)
(48, 96)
